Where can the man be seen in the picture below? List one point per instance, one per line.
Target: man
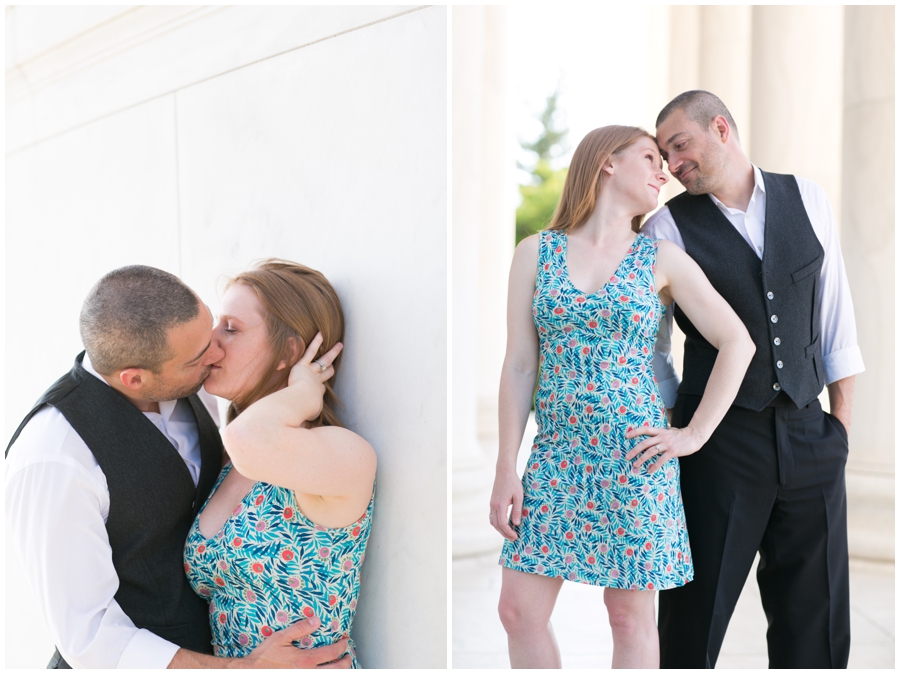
(106, 476)
(771, 477)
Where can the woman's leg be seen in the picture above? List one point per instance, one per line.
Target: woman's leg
(526, 602)
(632, 617)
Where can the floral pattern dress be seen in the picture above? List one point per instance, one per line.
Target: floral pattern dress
(270, 566)
(588, 515)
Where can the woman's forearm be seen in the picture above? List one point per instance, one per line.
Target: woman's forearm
(261, 423)
(290, 406)
(723, 384)
(516, 391)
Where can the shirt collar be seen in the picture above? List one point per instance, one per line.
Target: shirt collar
(759, 189)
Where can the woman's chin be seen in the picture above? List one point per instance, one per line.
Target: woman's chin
(213, 386)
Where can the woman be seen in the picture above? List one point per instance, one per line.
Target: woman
(585, 300)
(283, 534)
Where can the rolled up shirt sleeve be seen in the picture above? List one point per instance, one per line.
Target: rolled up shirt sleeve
(55, 509)
(841, 355)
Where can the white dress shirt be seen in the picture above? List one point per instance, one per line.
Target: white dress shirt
(840, 352)
(57, 503)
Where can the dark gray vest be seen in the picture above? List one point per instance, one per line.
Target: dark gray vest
(775, 297)
(152, 501)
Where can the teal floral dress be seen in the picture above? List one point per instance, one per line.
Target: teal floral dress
(588, 515)
(270, 566)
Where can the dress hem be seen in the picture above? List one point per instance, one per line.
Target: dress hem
(551, 573)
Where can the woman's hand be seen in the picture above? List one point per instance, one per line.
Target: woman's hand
(664, 443)
(312, 374)
(507, 491)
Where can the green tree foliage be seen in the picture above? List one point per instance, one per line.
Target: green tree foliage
(541, 193)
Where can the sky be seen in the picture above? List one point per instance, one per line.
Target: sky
(598, 55)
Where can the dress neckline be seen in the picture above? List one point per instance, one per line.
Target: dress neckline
(565, 264)
(234, 513)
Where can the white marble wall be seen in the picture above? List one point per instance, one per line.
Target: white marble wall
(198, 140)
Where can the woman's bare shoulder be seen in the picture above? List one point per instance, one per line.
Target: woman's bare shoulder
(528, 247)
(525, 259)
(670, 255)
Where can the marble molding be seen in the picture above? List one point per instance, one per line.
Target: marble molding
(155, 50)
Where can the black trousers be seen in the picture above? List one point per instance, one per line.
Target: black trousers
(57, 661)
(772, 482)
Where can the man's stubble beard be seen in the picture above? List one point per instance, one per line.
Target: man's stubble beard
(707, 180)
(163, 392)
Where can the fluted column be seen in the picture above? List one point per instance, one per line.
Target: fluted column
(796, 93)
(724, 64)
(483, 237)
(497, 218)
(867, 238)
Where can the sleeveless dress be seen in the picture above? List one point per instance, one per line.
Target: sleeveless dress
(588, 515)
(269, 566)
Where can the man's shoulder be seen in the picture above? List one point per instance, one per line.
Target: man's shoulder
(809, 188)
(48, 438)
(661, 225)
(654, 221)
(805, 185)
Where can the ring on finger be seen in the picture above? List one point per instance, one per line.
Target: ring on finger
(322, 366)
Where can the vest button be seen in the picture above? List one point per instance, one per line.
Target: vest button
(770, 295)
(774, 318)
(779, 365)
(778, 341)
(776, 386)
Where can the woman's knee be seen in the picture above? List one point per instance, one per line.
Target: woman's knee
(514, 613)
(630, 611)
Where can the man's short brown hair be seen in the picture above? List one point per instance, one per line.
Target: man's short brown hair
(126, 317)
(701, 106)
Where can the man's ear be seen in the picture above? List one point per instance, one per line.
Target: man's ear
(294, 355)
(720, 127)
(134, 378)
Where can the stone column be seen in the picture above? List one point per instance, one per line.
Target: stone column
(497, 219)
(724, 64)
(684, 49)
(867, 239)
(796, 93)
(483, 237)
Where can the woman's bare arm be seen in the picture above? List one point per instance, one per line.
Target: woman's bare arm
(517, 378)
(680, 278)
(268, 441)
